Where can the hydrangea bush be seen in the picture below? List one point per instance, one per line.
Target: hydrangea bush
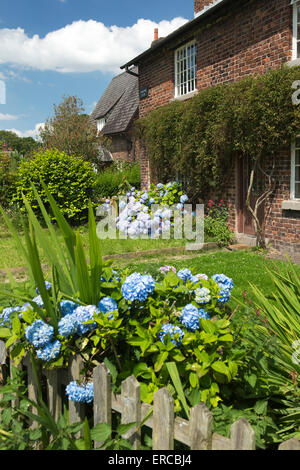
(140, 323)
(148, 213)
(136, 323)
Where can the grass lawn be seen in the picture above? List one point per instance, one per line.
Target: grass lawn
(11, 257)
(243, 267)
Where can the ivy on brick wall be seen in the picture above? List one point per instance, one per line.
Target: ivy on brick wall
(201, 138)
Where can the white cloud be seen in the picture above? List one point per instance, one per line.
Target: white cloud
(83, 46)
(30, 133)
(8, 117)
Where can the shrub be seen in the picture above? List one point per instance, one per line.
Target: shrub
(7, 177)
(110, 180)
(69, 179)
(216, 225)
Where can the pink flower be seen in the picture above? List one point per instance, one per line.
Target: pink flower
(165, 269)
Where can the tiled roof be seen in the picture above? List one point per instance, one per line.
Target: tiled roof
(118, 103)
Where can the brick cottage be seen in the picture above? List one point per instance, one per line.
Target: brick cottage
(227, 40)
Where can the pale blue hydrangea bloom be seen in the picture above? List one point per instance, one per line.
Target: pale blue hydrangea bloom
(67, 307)
(48, 286)
(39, 333)
(203, 314)
(185, 274)
(225, 287)
(38, 300)
(80, 393)
(6, 313)
(68, 325)
(85, 313)
(202, 295)
(49, 352)
(190, 317)
(172, 330)
(108, 305)
(138, 287)
(224, 280)
(224, 296)
(184, 199)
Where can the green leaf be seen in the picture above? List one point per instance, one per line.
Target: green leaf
(123, 428)
(173, 371)
(101, 432)
(5, 333)
(161, 359)
(221, 368)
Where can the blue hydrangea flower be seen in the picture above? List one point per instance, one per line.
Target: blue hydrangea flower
(190, 317)
(39, 333)
(67, 307)
(108, 305)
(223, 280)
(185, 274)
(184, 199)
(48, 286)
(202, 295)
(6, 313)
(203, 314)
(24, 309)
(138, 287)
(159, 185)
(49, 352)
(172, 330)
(80, 393)
(68, 325)
(224, 295)
(38, 300)
(85, 313)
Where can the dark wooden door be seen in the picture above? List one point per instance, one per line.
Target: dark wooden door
(245, 219)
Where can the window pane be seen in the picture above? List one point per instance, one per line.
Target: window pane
(297, 190)
(297, 174)
(297, 157)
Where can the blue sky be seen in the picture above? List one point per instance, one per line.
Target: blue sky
(51, 48)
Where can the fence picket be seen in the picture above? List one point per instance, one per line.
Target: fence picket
(163, 421)
(102, 397)
(196, 432)
(291, 444)
(131, 409)
(76, 410)
(201, 421)
(242, 436)
(53, 393)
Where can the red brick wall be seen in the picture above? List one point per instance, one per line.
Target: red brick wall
(200, 4)
(250, 37)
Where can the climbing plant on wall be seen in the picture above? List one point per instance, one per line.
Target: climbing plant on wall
(200, 139)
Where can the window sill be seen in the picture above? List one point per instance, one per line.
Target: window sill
(293, 63)
(293, 205)
(185, 97)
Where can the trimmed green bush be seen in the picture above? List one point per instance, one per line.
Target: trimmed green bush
(110, 180)
(69, 179)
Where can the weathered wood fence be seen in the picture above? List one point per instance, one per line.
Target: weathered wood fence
(196, 433)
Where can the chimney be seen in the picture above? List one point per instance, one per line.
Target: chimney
(200, 4)
(155, 34)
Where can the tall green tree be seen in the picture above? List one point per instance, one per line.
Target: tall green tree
(71, 131)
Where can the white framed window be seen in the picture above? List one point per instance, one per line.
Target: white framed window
(186, 69)
(100, 124)
(296, 30)
(295, 169)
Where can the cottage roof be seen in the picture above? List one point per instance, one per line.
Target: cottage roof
(203, 14)
(118, 104)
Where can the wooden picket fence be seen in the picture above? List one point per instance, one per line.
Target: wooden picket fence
(196, 433)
